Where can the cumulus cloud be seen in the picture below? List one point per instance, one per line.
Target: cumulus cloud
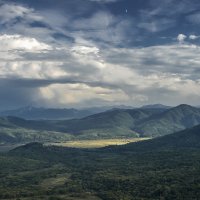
(193, 37)
(181, 38)
(18, 42)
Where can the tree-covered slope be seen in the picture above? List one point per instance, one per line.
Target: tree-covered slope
(13, 130)
(169, 121)
(188, 138)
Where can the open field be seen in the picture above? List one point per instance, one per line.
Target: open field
(97, 143)
(81, 143)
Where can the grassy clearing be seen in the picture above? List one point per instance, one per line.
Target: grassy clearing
(97, 143)
(55, 182)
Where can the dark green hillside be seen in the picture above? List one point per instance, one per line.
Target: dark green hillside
(189, 138)
(170, 121)
(110, 120)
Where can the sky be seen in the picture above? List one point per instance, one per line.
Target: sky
(86, 53)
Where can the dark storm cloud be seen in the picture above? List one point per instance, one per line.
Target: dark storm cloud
(12, 96)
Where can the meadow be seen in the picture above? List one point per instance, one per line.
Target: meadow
(96, 143)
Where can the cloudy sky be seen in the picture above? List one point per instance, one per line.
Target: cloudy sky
(85, 53)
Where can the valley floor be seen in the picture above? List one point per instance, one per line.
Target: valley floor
(97, 143)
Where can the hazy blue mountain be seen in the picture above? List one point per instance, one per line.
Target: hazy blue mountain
(35, 113)
(156, 106)
(30, 112)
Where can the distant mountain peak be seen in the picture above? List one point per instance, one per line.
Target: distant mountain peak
(184, 106)
(161, 106)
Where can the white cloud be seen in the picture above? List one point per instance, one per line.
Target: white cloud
(85, 50)
(18, 42)
(32, 70)
(181, 38)
(11, 11)
(77, 94)
(193, 37)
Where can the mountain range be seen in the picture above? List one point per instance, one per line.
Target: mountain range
(36, 113)
(115, 123)
(41, 113)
